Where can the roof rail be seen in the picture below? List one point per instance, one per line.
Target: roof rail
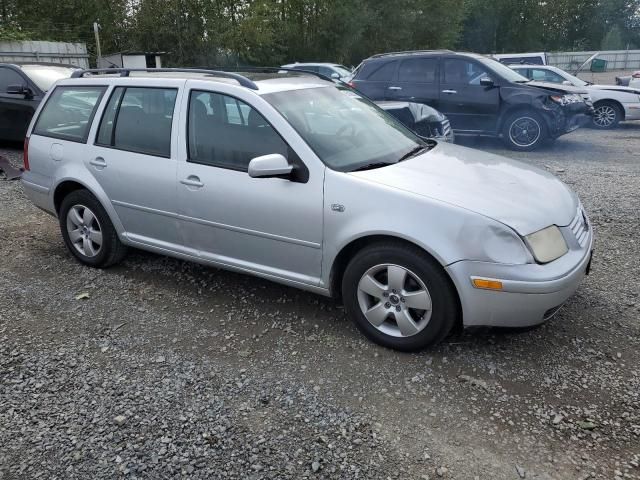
(124, 72)
(411, 51)
(281, 69)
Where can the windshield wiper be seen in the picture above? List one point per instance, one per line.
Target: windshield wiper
(370, 166)
(413, 152)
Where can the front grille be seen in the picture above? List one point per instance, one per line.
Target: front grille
(580, 227)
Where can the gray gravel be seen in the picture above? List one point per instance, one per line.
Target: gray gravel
(162, 369)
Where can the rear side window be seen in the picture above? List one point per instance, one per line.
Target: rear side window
(422, 70)
(226, 132)
(68, 113)
(139, 120)
(378, 71)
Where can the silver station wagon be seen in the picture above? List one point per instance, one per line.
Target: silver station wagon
(303, 181)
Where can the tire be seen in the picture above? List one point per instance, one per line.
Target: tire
(606, 115)
(88, 232)
(388, 295)
(524, 131)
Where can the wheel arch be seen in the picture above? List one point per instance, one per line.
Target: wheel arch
(69, 185)
(617, 103)
(348, 251)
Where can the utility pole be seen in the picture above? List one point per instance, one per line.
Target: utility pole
(96, 31)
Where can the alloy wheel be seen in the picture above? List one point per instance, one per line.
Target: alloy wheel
(394, 300)
(525, 131)
(604, 116)
(84, 230)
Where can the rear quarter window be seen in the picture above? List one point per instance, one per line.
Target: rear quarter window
(68, 113)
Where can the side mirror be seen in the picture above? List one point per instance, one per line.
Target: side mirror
(567, 82)
(269, 166)
(335, 75)
(19, 90)
(486, 82)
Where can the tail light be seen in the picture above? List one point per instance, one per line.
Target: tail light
(26, 154)
(636, 74)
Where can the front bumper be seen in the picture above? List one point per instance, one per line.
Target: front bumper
(631, 111)
(565, 119)
(531, 293)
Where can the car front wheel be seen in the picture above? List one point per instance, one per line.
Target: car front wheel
(606, 115)
(524, 131)
(399, 297)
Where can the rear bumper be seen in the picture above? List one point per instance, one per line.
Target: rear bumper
(531, 293)
(36, 188)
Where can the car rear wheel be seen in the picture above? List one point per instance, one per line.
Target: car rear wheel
(606, 115)
(399, 297)
(524, 131)
(88, 232)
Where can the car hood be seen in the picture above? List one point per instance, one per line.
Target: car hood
(617, 88)
(557, 87)
(521, 196)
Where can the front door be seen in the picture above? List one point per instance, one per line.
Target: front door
(133, 160)
(271, 226)
(16, 109)
(471, 107)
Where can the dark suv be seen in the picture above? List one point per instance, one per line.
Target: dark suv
(479, 95)
(22, 87)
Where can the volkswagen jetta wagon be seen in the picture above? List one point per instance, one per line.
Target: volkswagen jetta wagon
(302, 181)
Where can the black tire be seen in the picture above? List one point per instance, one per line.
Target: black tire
(524, 140)
(111, 250)
(444, 301)
(606, 115)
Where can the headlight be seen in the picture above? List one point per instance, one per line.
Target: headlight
(547, 244)
(567, 99)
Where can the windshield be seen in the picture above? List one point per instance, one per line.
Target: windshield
(46, 75)
(342, 71)
(501, 69)
(343, 128)
(575, 80)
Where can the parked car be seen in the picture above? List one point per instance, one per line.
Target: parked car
(331, 70)
(479, 95)
(416, 237)
(22, 87)
(624, 81)
(612, 104)
(427, 122)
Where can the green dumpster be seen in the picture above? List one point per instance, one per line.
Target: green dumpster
(598, 65)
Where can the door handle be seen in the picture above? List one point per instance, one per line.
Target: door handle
(449, 92)
(192, 181)
(395, 88)
(98, 162)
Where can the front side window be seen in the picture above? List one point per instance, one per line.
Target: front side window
(545, 76)
(343, 128)
(138, 119)
(378, 71)
(9, 77)
(226, 132)
(463, 72)
(68, 113)
(419, 70)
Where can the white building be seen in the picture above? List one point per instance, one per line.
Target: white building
(132, 60)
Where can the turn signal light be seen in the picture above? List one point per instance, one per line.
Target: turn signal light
(487, 284)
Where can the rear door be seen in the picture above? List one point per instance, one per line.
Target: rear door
(416, 81)
(374, 78)
(134, 160)
(471, 107)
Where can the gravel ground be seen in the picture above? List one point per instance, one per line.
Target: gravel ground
(161, 369)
